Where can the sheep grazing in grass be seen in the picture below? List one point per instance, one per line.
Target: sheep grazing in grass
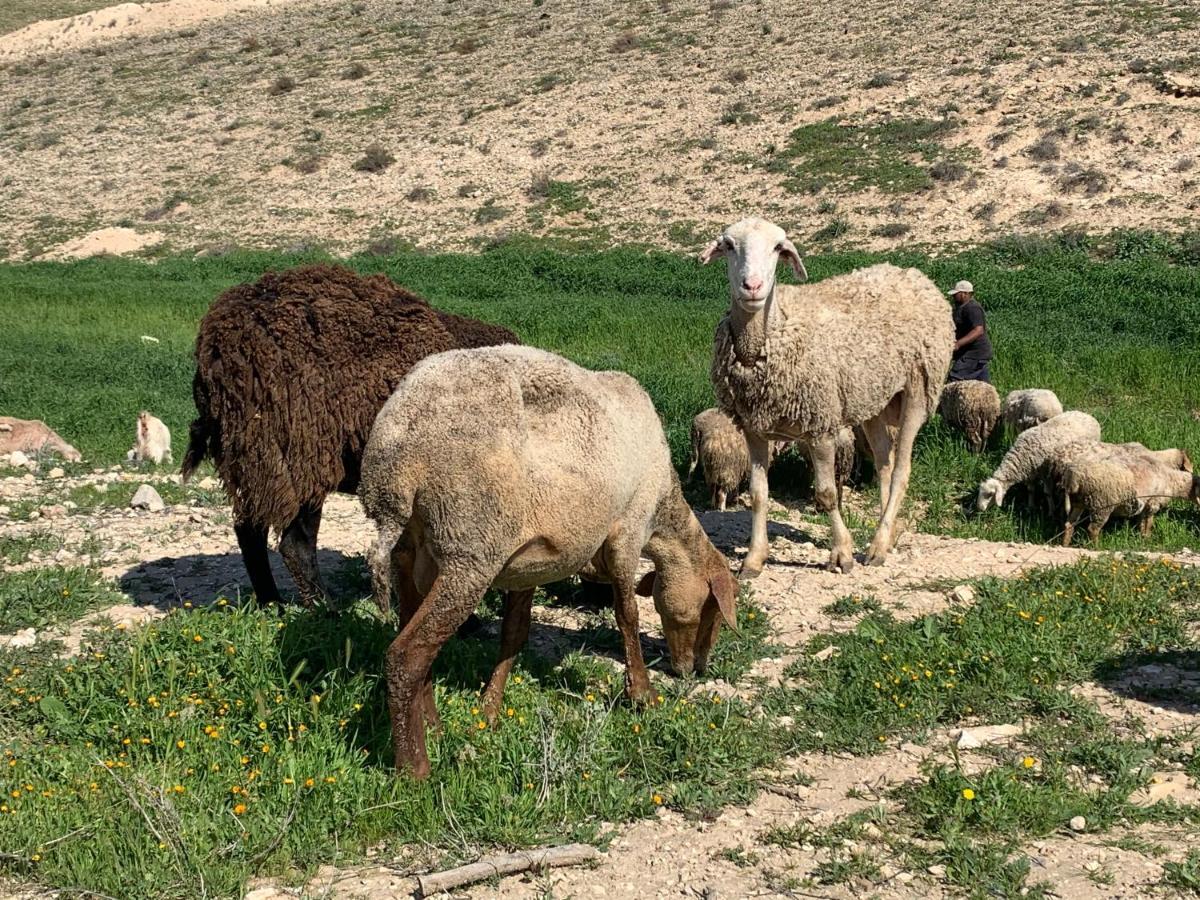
(1028, 458)
(152, 440)
(33, 436)
(802, 362)
(972, 407)
(1025, 408)
(290, 373)
(1099, 481)
(512, 467)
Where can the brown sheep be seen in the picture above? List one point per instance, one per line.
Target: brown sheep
(290, 373)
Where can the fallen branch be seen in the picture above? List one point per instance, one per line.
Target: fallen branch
(506, 864)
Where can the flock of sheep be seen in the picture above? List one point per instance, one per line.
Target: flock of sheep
(483, 463)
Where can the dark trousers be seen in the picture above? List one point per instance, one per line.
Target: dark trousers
(964, 369)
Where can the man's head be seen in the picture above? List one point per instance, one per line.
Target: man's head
(962, 292)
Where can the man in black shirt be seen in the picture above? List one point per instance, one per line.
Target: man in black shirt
(972, 349)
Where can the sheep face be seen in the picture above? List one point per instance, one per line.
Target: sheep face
(692, 606)
(752, 248)
(990, 491)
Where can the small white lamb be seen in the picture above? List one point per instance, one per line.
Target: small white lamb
(152, 440)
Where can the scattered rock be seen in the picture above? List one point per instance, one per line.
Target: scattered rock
(973, 738)
(19, 460)
(1079, 823)
(26, 637)
(147, 498)
(1166, 786)
(964, 593)
(937, 871)
(56, 472)
(56, 511)
(208, 483)
(826, 653)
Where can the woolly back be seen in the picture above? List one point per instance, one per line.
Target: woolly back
(290, 373)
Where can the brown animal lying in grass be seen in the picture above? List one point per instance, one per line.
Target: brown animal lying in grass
(290, 373)
(33, 436)
(512, 467)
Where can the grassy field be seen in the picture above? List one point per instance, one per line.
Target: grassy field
(1115, 337)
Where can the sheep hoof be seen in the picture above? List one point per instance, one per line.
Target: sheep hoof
(750, 569)
(841, 560)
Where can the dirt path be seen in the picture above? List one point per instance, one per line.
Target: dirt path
(188, 553)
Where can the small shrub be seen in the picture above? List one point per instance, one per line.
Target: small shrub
(837, 227)
(539, 148)
(882, 80)
(1045, 148)
(948, 170)
(1185, 164)
(197, 57)
(375, 159)
(1045, 213)
(827, 206)
(826, 102)
(1088, 181)
(539, 186)
(738, 114)
(627, 40)
(985, 211)
(548, 82)
(718, 8)
(891, 230)
(467, 190)
(419, 194)
(466, 45)
(305, 160)
(45, 139)
(490, 212)
(355, 71)
(250, 43)
(1139, 66)
(737, 76)
(282, 84)
(1073, 44)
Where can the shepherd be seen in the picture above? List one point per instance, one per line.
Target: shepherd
(972, 347)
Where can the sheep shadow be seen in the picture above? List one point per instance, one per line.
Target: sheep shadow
(200, 578)
(1170, 678)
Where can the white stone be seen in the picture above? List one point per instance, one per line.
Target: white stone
(1079, 823)
(26, 637)
(147, 498)
(973, 738)
(56, 472)
(18, 460)
(964, 593)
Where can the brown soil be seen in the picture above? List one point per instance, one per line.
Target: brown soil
(667, 118)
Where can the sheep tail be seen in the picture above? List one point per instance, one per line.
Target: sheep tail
(695, 457)
(200, 438)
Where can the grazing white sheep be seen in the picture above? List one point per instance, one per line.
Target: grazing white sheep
(1027, 459)
(1025, 408)
(1099, 481)
(871, 347)
(152, 440)
(33, 436)
(513, 467)
(972, 407)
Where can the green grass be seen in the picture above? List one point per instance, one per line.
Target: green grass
(1005, 656)
(50, 596)
(177, 760)
(1110, 336)
(894, 156)
(16, 548)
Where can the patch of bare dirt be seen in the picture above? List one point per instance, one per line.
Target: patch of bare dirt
(664, 121)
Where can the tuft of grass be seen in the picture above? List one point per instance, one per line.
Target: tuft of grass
(853, 605)
(1001, 658)
(224, 742)
(1045, 148)
(858, 157)
(17, 548)
(1089, 182)
(355, 71)
(375, 158)
(52, 595)
(283, 84)
(739, 113)
(891, 230)
(948, 170)
(837, 227)
(882, 80)
(490, 212)
(624, 42)
(1184, 875)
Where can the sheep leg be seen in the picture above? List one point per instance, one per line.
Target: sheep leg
(694, 459)
(404, 586)
(514, 632)
(409, 662)
(1096, 524)
(252, 540)
(1069, 528)
(624, 583)
(912, 416)
(721, 497)
(1146, 524)
(823, 456)
(760, 460)
(298, 546)
(879, 439)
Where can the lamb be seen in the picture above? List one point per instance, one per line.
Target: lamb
(719, 447)
(33, 436)
(801, 362)
(512, 467)
(290, 373)
(1100, 480)
(1023, 409)
(152, 440)
(1028, 457)
(972, 407)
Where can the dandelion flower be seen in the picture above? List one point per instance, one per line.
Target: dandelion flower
(308, 782)
(181, 743)
(239, 809)
(657, 798)
(1029, 762)
(968, 794)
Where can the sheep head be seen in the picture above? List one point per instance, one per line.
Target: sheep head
(692, 602)
(991, 490)
(752, 248)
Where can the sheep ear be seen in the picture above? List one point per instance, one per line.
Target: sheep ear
(713, 250)
(645, 587)
(724, 589)
(789, 252)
